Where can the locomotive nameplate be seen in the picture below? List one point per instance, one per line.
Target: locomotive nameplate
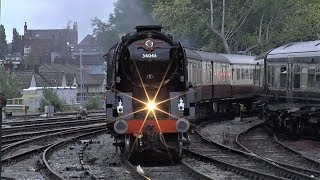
(149, 44)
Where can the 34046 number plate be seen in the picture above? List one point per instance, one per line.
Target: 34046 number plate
(149, 56)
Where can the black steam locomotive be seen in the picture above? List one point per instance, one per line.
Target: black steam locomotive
(147, 95)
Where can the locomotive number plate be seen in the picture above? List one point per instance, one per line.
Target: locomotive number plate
(149, 56)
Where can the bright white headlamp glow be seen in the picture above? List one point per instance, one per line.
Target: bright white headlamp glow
(151, 106)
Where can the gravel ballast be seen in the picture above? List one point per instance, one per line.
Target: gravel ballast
(225, 132)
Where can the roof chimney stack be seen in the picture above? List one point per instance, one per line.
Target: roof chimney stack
(75, 26)
(25, 27)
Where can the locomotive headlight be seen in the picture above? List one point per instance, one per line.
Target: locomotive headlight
(181, 105)
(151, 105)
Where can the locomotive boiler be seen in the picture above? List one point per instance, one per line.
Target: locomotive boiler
(147, 96)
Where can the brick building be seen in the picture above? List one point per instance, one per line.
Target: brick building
(40, 44)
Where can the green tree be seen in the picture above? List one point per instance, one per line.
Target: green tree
(9, 84)
(254, 25)
(3, 42)
(250, 26)
(51, 98)
(302, 24)
(258, 34)
(94, 103)
(16, 41)
(106, 34)
(221, 21)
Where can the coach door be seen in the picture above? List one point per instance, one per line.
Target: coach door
(256, 75)
(291, 73)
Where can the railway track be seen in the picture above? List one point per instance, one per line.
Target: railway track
(47, 169)
(24, 149)
(239, 162)
(59, 114)
(45, 120)
(181, 172)
(307, 146)
(42, 125)
(258, 141)
(13, 138)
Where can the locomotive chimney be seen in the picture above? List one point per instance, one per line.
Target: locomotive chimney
(149, 28)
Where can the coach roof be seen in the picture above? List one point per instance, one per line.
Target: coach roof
(192, 54)
(298, 51)
(239, 59)
(211, 56)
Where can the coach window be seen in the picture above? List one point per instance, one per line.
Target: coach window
(318, 78)
(311, 76)
(196, 73)
(254, 75)
(283, 76)
(296, 80)
(247, 73)
(238, 73)
(271, 76)
(222, 74)
(199, 73)
(208, 74)
(304, 77)
(242, 73)
(211, 74)
(225, 74)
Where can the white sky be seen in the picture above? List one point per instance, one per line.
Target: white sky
(53, 14)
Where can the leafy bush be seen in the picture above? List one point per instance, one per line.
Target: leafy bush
(94, 103)
(9, 84)
(51, 98)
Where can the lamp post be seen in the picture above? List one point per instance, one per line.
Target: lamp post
(3, 103)
(81, 79)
